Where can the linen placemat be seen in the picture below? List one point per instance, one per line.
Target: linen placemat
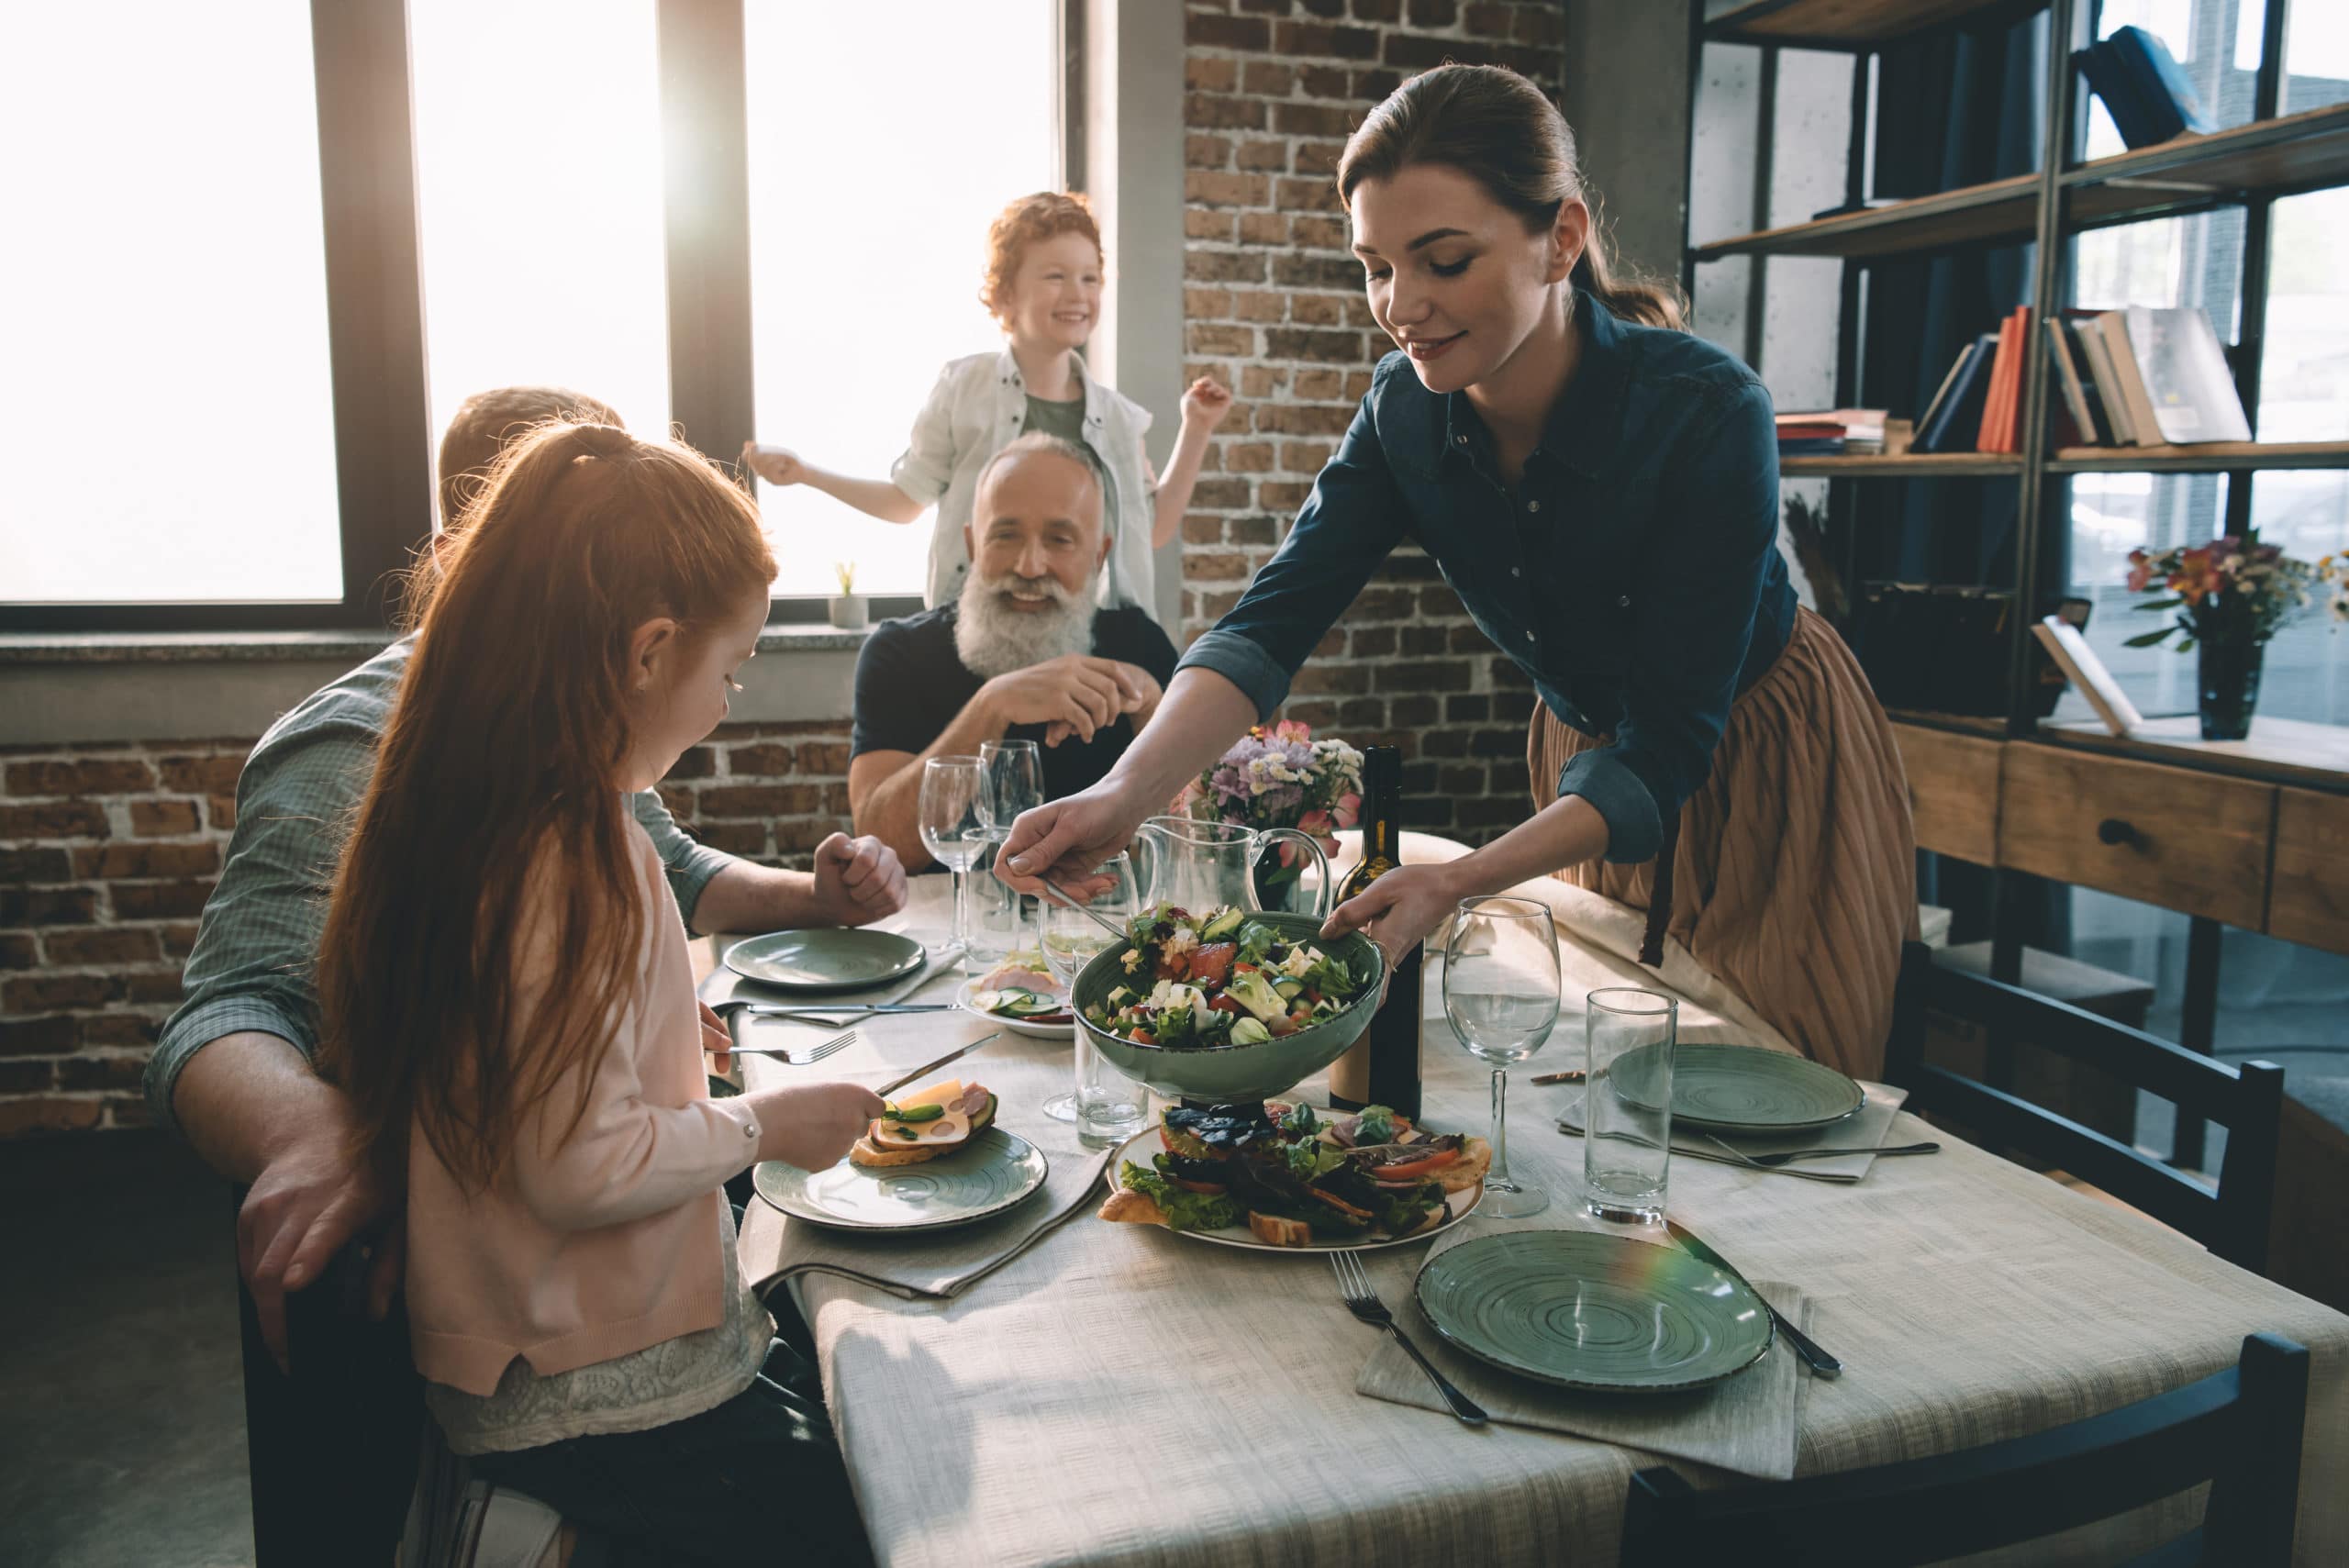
(1746, 1423)
(939, 1264)
(1863, 1132)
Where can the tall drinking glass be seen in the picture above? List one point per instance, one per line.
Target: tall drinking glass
(1015, 770)
(1501, 992)
(999, 915)
(1102, 1098)
(1627, 1103)
(952, 830)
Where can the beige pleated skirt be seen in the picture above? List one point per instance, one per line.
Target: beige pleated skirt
(1793, 877)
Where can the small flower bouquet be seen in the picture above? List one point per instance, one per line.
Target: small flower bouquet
(2230, 596)
(2232, 589)
(1281, 777)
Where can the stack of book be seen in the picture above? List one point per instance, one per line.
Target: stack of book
(2147, 96)
(2132, 377)
(2143, 377)
(1853, 432)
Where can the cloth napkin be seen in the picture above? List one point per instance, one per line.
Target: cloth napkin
(1863, 1132)
(939, 1264)
(1746, 1424)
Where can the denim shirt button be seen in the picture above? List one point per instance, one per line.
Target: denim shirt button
(1460, 440)
(1533, 506)
(1516, 572)
(1625, 602)
(1529, 634)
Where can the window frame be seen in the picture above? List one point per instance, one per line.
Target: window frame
(384, 443)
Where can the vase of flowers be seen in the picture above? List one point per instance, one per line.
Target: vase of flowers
(1281, 777)
(847, 607)
(2229, 597)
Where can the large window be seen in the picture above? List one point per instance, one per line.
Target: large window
(258, 253)
(538, 141)
(865, 259)
(164, 376)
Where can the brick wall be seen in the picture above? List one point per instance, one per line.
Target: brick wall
(1273, 305)
(108, 852)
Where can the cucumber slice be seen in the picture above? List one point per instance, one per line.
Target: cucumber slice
(1028, 1004)
(1220, 925)
(913, 1113)
(1289, 986)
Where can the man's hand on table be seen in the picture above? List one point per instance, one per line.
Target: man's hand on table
(310, 1199)
(858, 881)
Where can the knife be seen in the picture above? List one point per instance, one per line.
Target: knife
(796, 1009)
(927, 1067)
(1821, 1364)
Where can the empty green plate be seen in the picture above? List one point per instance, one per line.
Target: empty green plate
(1599, 1313)
(1741, 1088)
(993, 1172)
(825, 960)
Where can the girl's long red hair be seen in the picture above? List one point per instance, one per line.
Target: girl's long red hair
(496, 814)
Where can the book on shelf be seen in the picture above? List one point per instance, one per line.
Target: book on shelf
(2143, 89)
(2087, 673)
(2188, 386)
(1956, 414)
(2127, 381)
(2098, 355)
(2077, 382)
(1850, 431)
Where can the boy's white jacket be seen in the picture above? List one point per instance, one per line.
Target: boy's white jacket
(975, 411)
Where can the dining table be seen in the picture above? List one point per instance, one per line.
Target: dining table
(1118, 1394)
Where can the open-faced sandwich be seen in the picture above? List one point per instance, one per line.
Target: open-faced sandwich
(938, 1120)
(1294, 1176)
(1021, 992)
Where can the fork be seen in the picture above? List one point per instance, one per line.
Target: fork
(790, 1058)
(1354, 1288)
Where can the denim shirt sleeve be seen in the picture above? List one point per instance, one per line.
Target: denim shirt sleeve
(925, 469)
(1699, 582)
(1349, 525)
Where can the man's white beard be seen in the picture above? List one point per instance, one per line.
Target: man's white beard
(995, 640)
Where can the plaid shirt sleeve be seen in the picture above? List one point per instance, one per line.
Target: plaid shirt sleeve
(254, 963)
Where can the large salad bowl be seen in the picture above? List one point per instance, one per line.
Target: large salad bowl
(1214, 1074)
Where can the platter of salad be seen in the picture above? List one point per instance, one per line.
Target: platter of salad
(1280, 1176)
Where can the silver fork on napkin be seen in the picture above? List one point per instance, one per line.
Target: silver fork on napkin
(1354, 1288)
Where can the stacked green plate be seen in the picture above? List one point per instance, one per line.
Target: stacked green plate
(989, 1175)
(1740, 1088)
(825, 960)
(1599, 1313)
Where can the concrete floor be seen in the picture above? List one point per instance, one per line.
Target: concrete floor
(122, 1417)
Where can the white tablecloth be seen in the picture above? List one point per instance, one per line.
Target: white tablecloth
(1120, 1394)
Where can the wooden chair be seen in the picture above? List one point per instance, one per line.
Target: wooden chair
(2239, 1430)
(333, 1447)
(2232, 1222)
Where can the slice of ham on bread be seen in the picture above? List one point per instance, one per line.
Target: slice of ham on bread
(964, 1110)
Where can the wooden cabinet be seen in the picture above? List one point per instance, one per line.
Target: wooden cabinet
(2190, 842)
(2308, 899)
(1952, 790)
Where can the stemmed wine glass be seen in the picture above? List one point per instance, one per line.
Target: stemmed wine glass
(1071, 940)
(953, 790)
(1501, 992)
(1015, 770)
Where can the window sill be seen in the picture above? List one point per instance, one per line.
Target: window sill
(60, 689)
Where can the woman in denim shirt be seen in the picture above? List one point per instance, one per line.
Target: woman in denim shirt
(1601, 490)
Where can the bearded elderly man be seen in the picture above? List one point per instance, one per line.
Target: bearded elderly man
(1021, 654)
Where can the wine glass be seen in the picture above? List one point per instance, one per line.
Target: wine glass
(1501, 992)
(1071, 940)
(952, 830)
(1015, 770)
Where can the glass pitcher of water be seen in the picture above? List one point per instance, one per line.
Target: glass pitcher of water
(1200, 865)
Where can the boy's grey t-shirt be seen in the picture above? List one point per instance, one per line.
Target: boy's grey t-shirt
(256, 953)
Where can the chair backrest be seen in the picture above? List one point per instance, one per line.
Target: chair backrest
(2239, 1430)
(2248, 1101)
(333, 1445)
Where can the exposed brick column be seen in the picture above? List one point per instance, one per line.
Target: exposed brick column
(1273, 305)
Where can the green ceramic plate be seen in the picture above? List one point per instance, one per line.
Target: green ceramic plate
(1600, 1313)
(995, 1171)
(825, 960)
(1740, 1088)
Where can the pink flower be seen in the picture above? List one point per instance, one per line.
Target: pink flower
(1349, 807)
(1315, 822)
(2141, 572)
(1290, 730)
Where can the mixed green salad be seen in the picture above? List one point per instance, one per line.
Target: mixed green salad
(1221, 978)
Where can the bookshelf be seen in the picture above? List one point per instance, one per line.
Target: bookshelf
(2061, 796)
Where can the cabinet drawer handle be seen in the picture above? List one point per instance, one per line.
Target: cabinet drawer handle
(2117, 830)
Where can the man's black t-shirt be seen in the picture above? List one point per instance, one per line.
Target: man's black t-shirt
(911, 683)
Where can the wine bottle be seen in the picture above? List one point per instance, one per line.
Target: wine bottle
(1383, 1067)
